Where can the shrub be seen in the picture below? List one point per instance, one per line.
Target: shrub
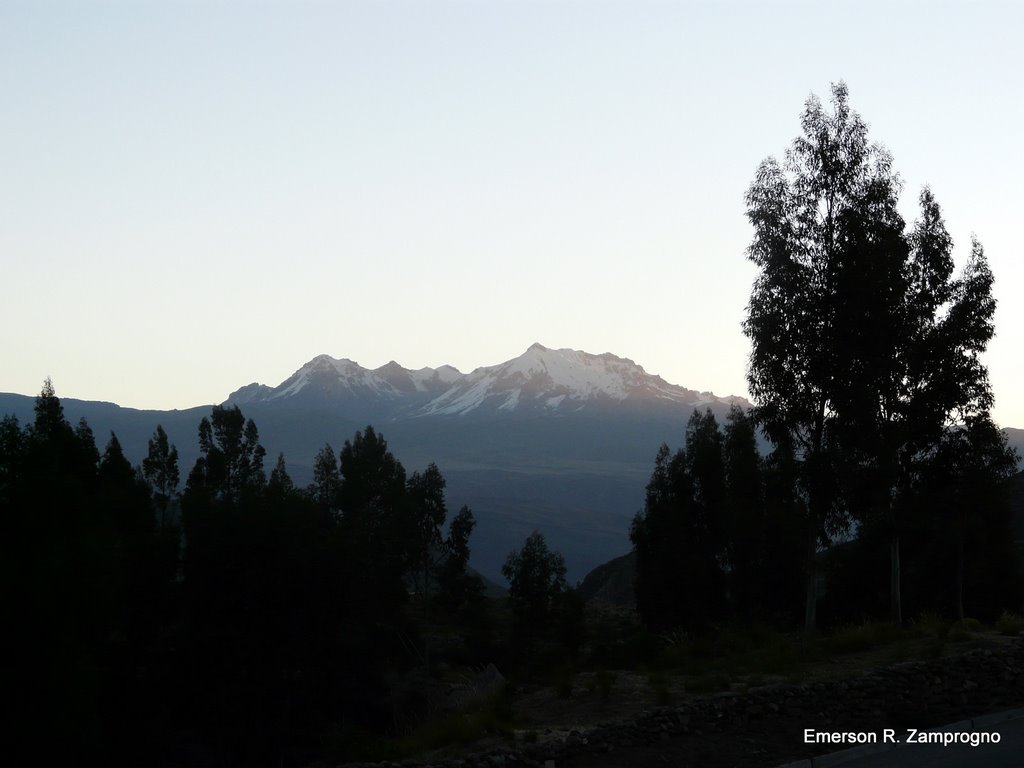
(930, 623)
(862, 637)
(1010, 623)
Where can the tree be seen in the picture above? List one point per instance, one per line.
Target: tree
(428, 511)
(457, 544)
(965, 491)
(785, 516)
(536, 576)
(114, 468)
(657, 535)
(372, 479)
(862, 343)
(455, 583)
(11, 447)
(680, 537)
(231, 460)
(88, 454)
(160, 470)
(374, 514)
(280, 483)
(76, 594)
(798, 209)
(745, 517)
(704, 464)
(326, 479)
(48, 411)
(921, 334)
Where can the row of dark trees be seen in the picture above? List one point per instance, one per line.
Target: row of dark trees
(243, 621)
(867, 376)
(722, 534)
(716, 538)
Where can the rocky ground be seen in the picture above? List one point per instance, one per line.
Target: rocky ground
(599, 727)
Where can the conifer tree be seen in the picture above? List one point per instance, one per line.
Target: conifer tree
(280, 483)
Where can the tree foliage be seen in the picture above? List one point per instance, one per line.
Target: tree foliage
(160, 470)
(231, 460)
(697, 540)
(536, 577)
(864, 346)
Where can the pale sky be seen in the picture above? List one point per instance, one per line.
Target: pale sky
(197, 195)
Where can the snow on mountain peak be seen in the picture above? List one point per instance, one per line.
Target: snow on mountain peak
(327, 376)
(551, 378)
(543, 379)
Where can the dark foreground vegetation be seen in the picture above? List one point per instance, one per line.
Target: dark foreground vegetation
(244, 621)
(236, 619)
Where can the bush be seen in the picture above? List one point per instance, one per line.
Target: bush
(1010, 623)
(930, 623)
(957, 634)
(862, 637)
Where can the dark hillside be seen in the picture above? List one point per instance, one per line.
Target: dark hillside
(613, 582)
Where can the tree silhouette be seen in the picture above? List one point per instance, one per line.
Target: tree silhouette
(160, 469)
(326, 480)
(536, 576)
(747, 527)
(680, 538)
(428, 511)
(78, 590)
(862, 342)
(968, 518)
(231, 457)
(280, 483)
(455, 584)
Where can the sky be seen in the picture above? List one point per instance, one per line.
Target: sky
(195, 195)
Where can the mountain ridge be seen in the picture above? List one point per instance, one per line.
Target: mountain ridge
(576, 471)
(541, 380)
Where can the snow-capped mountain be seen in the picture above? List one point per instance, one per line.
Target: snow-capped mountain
(345, 386)
(540, 380)
(560, 380)
(554, 439)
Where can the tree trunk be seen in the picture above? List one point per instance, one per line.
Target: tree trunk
(895, 601)
(426, 608)
(815, 519)
(811, 587)
(960, 570)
